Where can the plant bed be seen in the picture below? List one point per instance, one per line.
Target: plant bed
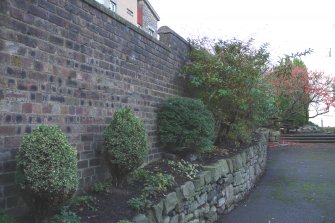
(110, 204)
(114, 202)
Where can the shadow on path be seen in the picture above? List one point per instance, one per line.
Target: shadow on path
(297, 187)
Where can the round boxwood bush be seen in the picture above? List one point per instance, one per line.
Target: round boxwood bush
(185, 125)
(47, 173)
(126, 145)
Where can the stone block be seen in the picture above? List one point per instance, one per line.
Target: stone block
(238, 162)
(202, 199)
(188, 190)
(230, 165)
(158, 211)
(170, 202)
(221, 202)
(224, 167)
(199, 182)
(230, 193)
(189, 217)
(167, 219)
(151, 217)
(214, 171)
(244, 158)
(141, 218)
(181, 218)
(238, 178)
(207, 175)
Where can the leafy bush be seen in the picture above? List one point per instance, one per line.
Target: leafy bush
(186, 168)
(65, 216)
(157, 183)
(100, 187)
(46, 170)
(84, 201)
(186, 124)
(6, 218)
(154, 183)
(123, 221)
(126, 145)
(137, 203)
(228, 77)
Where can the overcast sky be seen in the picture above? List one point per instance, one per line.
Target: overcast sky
(288, 26)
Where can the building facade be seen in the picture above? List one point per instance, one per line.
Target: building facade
(139, 12)
(147, 17)
(126, 9)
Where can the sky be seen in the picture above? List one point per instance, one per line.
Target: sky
(288, 26)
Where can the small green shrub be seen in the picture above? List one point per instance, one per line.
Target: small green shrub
(139, 175)
(157, 183)
(154, 183)
(239, 134)
(46, 170)
(186, 124)
(100, 187)
(186, 168)
(85, 201)
(6, 218)
(137, 203)
(126, 145)
(123, 221)
(65, 216)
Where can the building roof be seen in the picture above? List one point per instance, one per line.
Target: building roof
(151, 9)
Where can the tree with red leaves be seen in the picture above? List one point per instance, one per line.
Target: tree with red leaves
(300, 92)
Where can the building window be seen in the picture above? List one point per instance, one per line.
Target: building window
(112, 6)
(151, 31)
(129, 12)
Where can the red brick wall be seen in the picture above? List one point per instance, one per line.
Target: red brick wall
(72, 64)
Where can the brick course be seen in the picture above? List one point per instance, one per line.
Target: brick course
(72, 64)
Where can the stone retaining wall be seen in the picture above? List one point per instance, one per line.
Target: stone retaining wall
(217, 190)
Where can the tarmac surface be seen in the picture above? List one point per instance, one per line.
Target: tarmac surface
(297, 187)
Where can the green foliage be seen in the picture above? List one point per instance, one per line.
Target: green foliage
(185, 124)
(157, 183)
(65, 216)
(46, 170)
(154, 183)
(100, 187)
(126, 144)
(186, 168)
(6, 218)
(85, 201)
(240, 131)
(139, 175)
(123, 221)
(137, 203)
(228, 77)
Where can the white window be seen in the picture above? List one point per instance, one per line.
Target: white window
(112, 6)
(129, 12)
(151, 31)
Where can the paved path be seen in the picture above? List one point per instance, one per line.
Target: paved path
(297, 187)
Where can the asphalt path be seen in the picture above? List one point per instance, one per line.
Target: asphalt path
(297, 187)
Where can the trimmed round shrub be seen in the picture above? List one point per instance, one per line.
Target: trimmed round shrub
(185, 125)
(47, 173)
(126, 145)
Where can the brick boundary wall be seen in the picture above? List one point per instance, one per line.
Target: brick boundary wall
(72, 64)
